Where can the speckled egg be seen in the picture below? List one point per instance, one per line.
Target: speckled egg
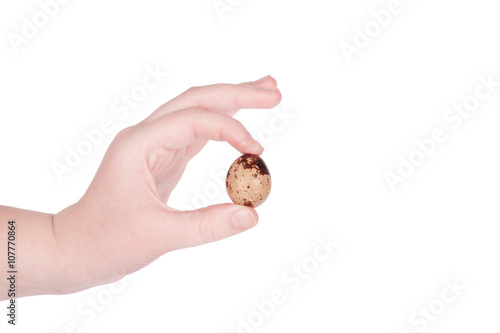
(248, 181)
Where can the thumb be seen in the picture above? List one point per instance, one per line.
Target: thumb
(213, 223)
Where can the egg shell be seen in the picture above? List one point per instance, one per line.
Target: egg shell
(248, 181)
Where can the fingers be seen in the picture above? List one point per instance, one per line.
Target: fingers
(267, 82)
(225, 98)
(181, 128)
(209, 224)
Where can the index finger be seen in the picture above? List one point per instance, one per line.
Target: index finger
(181, 128)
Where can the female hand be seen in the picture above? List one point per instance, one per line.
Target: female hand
(122, 222)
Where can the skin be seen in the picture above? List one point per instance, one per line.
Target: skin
(122, 222)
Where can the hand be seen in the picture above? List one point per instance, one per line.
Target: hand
(122, 222)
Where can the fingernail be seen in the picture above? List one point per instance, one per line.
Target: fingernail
(253, 147)
(258, 146)
(243, 219)
(262, 78)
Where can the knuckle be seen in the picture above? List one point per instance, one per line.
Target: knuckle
(194, 113)
(124, 141)
(208, 230)
(125, 134)
(198, 112)
(192, 91)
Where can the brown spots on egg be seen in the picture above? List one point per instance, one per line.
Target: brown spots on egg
(248, 181)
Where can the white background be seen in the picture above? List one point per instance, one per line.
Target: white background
(349, 124)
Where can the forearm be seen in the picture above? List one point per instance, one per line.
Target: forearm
(37, 260)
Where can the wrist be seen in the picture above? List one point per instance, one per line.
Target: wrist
(83, 254)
